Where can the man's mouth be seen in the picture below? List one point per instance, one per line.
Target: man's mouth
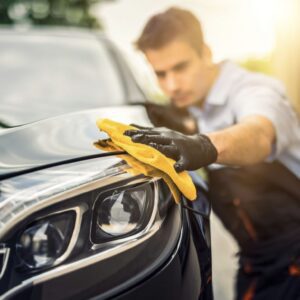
(181, 98)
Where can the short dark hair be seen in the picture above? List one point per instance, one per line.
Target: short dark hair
(164, 27)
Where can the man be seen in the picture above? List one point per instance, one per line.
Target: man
(249, 134)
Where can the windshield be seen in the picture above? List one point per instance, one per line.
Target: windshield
(43, 76)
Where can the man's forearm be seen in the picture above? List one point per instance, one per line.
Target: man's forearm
(246, 143)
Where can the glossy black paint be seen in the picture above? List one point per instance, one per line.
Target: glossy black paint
(178, 279)
(60, 138)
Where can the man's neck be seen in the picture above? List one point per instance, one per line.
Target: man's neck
(213, 75)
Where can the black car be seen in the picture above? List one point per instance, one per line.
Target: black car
(74, 224)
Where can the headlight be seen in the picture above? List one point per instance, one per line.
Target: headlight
(121, 212)
(65, 218)
(43, 242)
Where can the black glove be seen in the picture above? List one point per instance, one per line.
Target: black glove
(171, 117)
(191, 152)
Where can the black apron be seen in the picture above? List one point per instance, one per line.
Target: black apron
(260, 206)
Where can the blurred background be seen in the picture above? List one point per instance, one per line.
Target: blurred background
(262, 35)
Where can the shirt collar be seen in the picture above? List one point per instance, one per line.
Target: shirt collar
(218, 93)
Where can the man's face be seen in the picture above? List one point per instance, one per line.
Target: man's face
(182, 73)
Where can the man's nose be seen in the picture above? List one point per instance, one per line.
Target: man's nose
(171, 83)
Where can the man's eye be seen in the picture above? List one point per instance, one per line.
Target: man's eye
(181, 67)
(160, 74)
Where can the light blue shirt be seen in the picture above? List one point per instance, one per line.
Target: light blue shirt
(238, 93)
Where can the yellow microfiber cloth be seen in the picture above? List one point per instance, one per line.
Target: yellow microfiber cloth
(138, 167)
(149, 156)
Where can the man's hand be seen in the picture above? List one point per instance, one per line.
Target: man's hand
(171, 117)
(190, 152)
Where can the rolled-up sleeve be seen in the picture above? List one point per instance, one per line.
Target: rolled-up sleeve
(266, 97)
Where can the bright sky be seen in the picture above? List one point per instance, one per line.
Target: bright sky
(233, 28)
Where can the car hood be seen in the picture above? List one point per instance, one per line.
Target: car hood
(54, 140)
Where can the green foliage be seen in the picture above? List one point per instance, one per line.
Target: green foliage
(157, 97)
(49, 12)
(263, 65)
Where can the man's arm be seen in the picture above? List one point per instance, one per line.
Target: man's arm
(245, 143)
(169, 116)
(248, 142)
